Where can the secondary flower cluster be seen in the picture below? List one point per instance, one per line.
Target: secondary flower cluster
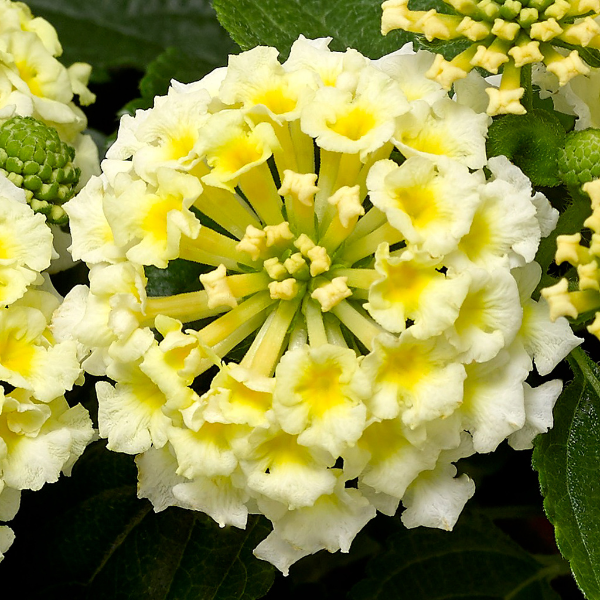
(379, 309)
(506, 34)
(585, 256)
(40, 435)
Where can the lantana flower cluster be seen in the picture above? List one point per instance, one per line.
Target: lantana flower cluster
(585, 257)
(373, 284)
(505, 35)
(40, 435)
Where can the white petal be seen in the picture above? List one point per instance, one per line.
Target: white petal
(437, 498)
(539, 403)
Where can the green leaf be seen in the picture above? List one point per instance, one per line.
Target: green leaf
(531, 141)
(476, 561)
(179, 277)
(116, 33)
(278, 23)
(179, 555)
(567, 459)
(447, 48)
(91, 537)
(173, 63)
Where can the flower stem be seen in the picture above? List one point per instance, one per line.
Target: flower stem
(527, 100)
(358, 278)
(233, 339)
(224, 208)
(368, 244)
(213, 248)
(184, 307)
(286, 157)
(334, 332)
(361, 326)
(258, 186)
(328, 170)
(371, 221)
(304, 146)
(222, 327)
(267, 353)
(317, 335)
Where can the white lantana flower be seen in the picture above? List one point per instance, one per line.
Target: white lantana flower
(26, 244)
(7, 537)
(376, 296)
(35, 83)
(578, 97)
(38, 441)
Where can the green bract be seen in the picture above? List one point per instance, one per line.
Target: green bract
(579, 160)
(34, 158)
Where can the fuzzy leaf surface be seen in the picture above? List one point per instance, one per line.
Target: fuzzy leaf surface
(278, 23)
(567, 459)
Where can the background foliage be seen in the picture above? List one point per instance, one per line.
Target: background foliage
(90, 537)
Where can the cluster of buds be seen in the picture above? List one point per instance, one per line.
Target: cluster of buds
(363, 323)
(507, 35)
(33, 157)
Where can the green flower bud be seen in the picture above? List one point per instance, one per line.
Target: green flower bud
(34, 158)
(579, 160)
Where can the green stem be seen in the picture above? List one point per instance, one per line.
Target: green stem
(527, 99)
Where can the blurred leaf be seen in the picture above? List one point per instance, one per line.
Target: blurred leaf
(116, 33)
(278, 23)
(531, 141)
(568, 461)
(92, 538)
(173, 63)
(476, 561)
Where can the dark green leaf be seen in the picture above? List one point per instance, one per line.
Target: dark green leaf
(448, 49)
(173, 63)
(115, 33)
(278, 23)
(179, 277)
(90, 537)
(531, 141)
(180, 555)
(476, 561)
(439, 5)
(567, 121)
(568, 461)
